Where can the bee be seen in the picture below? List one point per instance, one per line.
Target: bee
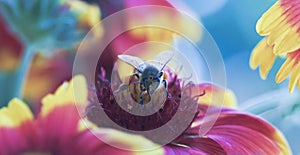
(147, 76)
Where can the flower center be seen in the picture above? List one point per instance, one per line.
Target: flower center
(178, 94)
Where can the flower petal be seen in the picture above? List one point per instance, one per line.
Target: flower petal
(174, 150)
(294, 77)
(71, 92)
(136, 143)
(240, 133)
(244, 127)
(263, 26)
(282, 23)
(285, 70)
(89, 15)
(166, 18)
(16, 113)
(195, 145)
(216, 96)
(290, 66)
(263, 57)
(298, 84)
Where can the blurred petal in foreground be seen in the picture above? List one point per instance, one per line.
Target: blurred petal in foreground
(55, 130)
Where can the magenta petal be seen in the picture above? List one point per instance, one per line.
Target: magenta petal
(87, 143)
(58, 126)
(232, 133)
(246, 120)
(243, 140)
(11, 141)
(197, 145)
(243, 133)
(177, 150)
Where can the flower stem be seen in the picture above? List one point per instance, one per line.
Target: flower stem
(20, 75)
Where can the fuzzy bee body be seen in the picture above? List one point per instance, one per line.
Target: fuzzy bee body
(148, 76)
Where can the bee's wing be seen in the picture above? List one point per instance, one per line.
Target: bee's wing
(161, 60)
(131, 60)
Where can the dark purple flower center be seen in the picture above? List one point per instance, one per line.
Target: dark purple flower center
(106, 101)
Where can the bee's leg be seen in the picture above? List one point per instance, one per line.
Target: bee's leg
(137, 82)
(166, 86)
(137, 75)
(134, 75)
(124, 86)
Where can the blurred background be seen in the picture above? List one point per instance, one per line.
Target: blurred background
(232, 25)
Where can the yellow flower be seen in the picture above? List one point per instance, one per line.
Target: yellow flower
(281, 27)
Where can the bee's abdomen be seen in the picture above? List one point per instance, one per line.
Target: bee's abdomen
(137, 94)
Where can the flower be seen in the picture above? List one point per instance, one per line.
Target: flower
(43, 25)
(281, 27)
(42, 77)
(58, 128)
(135, 36)
(43, 74)
(88, 15)
(233, 132)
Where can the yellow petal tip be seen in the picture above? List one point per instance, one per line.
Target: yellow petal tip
(71, 92)
(16, 113)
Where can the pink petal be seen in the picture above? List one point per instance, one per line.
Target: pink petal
(174, 150)
(87, 143)
(15, 140)
(55, 129)
(196, 145)
(233, 133)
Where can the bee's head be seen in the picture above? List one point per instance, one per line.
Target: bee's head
(150, 75)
